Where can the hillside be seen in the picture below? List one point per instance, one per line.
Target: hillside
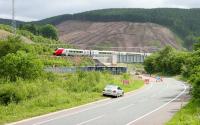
(182, 22)
(125, 35)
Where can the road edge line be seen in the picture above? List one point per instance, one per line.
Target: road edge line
(162, 106)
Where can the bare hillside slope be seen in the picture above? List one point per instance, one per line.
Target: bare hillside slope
(123, 36)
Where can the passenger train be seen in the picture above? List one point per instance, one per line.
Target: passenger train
(93, 53)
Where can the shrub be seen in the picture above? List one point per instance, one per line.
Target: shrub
(195, 79)
(12, 45)
(9, 94)
(21, 65)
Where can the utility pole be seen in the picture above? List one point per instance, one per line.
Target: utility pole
(13, 17)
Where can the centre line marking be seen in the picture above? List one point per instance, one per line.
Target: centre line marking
(90, 120)
(123, 108)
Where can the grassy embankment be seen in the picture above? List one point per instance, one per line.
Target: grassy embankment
(55, 92)
(189, 114)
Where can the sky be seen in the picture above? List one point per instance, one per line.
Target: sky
(32, 10)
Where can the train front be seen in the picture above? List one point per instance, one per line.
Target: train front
(59, 52)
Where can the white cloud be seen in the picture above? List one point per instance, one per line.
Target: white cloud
(39, 9)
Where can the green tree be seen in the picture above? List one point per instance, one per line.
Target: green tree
(197, 44)
(167, 61)
(195, 79)
(30, 27)
(21, 64)
(49, 31)
(150, 64)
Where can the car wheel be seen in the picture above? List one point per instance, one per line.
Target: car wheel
(122, 93)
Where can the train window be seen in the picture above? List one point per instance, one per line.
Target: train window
(71, 51)
(105, 53)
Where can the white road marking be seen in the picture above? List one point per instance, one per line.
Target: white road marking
(123, 108)
(159, 107)
(59, 117)
(90, 120)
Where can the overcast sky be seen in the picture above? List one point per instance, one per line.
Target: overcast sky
(29, 10)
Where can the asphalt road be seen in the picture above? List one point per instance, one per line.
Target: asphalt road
(127, 110)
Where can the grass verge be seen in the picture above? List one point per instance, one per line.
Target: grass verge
(188, 115)
(55, 92)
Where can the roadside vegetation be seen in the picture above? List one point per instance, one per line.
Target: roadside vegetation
(51, 92)
(26, 90)
(187, 64)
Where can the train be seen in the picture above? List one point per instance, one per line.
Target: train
(92, 53)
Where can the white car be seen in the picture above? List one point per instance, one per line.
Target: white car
(113, 90)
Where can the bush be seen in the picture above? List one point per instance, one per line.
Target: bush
(195, 79)
(21, 65)
(12, 45)
(9, 94)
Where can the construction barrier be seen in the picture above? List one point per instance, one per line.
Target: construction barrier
(125, 82)
(146, 81)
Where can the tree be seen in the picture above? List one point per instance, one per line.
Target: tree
(30, 27)
(20, 64)
(195, 78)
(49, 31)
(149, 64)
(167, 61)
(197, 44)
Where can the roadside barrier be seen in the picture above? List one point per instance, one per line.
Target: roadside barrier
(146, 81)
(125, 82)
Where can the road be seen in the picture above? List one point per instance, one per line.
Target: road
(131, 109)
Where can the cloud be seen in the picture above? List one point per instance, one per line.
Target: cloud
(183, 3)
(38, 9)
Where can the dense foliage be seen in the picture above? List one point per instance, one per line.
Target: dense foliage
(18, 60)
(167, 61)
(47, 31)
(184, 22)
(20, 65)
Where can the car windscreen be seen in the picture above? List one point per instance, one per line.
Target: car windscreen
(111, 87)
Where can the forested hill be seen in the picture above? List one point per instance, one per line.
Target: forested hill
(184, 22)
(9, 22)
